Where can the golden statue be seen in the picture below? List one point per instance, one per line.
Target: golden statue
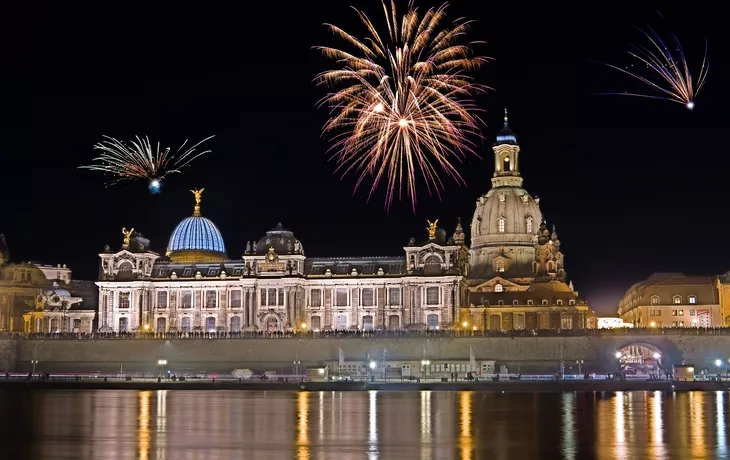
(127, 236)
(432, 229)
(198, 198)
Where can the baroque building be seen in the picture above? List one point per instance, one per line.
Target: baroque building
(516, 278)
(37, 298)
(512, 277)
(673, 300)
(274, 286)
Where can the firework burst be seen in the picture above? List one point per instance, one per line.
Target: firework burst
(402, 103)
(667, 74)
(139, 159)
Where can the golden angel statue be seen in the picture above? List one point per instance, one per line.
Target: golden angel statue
(198, 194)
(127, 236)
(432, 229)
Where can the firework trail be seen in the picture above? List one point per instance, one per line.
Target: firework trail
(401, 103)
(139, 159)
(667, 74)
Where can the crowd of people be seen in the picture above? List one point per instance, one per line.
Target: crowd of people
(344, 334)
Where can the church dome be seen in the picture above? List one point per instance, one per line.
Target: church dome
(281, 239)
(505, 215)
(196, 239)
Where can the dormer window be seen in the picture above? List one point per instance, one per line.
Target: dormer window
(528, 224)
(655, 300)
(677, 299)
(498, 288)
(692, 299)
(501, 224)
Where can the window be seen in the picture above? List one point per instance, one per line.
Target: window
(210, 299)
(498, 288)
(501, 223)
(235, 324)
(123, 324)
(210, 324)
(316, 323)
(559, 302)
(692, 300)
(77, 325)
(342, 269)
(188, 272)
(674, 312)
(316, 298)
(677, 299)
(272, 297)
(162, 299)
(566, 321)
(571, 302)
(394, 296)
(161, 324)
(237, 271)
(341, 297)
(124, 299)
(544, 301)
(214, 271)
(280, 297)
(236, 299)
(681, 324)
(528, 224)
(655, 300)
(185, 324)
(515, 302)
(500, 302)
(691, 312)
(186, 299)
(530, 302)
(681, 312)
(433, 296)
(432, 321)
(651, 312)
(499, 265)
(368, 298)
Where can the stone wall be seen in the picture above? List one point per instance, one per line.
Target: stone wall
(523, 354)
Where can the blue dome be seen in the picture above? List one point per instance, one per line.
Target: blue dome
(196, 234)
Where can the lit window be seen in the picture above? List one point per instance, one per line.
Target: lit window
(433, 296)
(528, 223)
(501, 224)
(498, 288)
(677, 299)
(655, 300)
(692, 299)
(559, 302)
(124, 299)
(499, 265)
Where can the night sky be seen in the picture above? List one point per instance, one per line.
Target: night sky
(633, 185)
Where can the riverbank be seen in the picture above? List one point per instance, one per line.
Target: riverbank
(506, 387)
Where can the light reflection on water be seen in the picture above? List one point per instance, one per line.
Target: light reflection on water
(191, 425)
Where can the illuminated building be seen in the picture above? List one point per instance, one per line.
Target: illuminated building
(672, 300)
(37, 298)
(517, 277)
(274, 286)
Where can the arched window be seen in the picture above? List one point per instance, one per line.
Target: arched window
(655, 300)
(501, 224)
(528, 224)
(559, 302)
(544, 301)
(692, 299)
(505, 164)
(530, 302)
(500, 302)
(498, 288)
(499, 265)
(515, 302)
(677, 299)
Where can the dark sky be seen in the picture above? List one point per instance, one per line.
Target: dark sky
(633, 185)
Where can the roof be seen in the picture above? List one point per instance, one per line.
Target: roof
(196, 233)
(343, 266)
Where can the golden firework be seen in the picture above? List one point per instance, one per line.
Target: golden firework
(402, 104)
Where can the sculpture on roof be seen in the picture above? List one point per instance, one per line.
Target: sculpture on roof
(127, 236)
(198, 198)
(432, 229)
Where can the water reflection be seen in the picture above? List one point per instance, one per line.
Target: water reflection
(187, 425)
(303, 425)
(568, 445)
(373, 426)
(465, 437)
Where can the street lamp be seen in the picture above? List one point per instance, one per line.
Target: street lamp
(653, 324)
(580, 366)
(373, 364)
(424, 364)
(162, 363)
(304, 326)
(464, 324)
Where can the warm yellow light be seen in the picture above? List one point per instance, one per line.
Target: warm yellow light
(465, 324)
(653, 324)
(474, 328)
(304, 325)
(146, 327)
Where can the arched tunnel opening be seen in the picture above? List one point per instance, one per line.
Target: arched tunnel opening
(641, 360)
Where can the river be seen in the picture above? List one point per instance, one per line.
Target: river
(208, 425)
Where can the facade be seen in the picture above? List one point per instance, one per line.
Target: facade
(672, 300)
(274, 286)
(30, 301)
(722, 283)
(512, 277)
(516, 277)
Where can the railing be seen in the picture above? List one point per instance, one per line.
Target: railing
(642, 332)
